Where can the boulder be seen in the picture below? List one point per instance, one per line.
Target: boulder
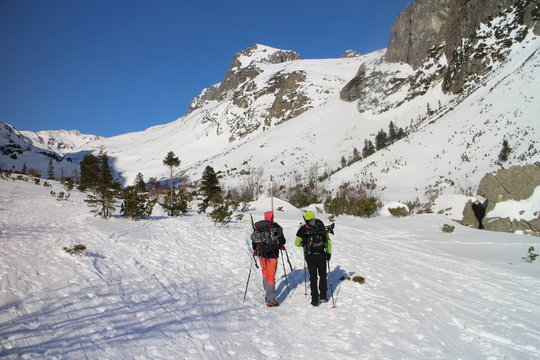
(515, 183)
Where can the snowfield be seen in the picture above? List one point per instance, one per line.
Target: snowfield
(172, 288)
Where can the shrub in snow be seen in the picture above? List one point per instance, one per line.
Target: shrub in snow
(357, 279)
(531, 255)
(77, 249)
(448, 228)
(353, 200)
(398, 211)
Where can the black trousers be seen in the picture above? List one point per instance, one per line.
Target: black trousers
(316, 264)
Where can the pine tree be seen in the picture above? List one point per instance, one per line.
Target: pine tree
(343, 161)
(368, 149)
(222, 212)
(179, 204)
(140, 185)
(136, 204)
(392, 133)
(381, 140)
(50, 171)
(505, 151)
(172, 161)
(356, 155)
(24, 169)
(105, 191)
(89, 176)
(210, 188)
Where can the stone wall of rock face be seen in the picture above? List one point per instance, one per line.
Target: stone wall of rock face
(515, 183)
(426, 23)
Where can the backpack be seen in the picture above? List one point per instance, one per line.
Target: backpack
(265, 236)
(315, 232)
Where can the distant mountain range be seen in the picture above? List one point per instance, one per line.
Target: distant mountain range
(456, 101)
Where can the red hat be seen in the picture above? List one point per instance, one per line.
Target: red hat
(269, 216)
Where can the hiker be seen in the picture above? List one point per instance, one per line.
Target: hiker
(267, 239)
(315, 240)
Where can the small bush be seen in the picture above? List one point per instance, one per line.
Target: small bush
(77, 249)
(398, 212)
(357, 279)
(448, 228)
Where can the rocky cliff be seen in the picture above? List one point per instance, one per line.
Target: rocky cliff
(452, 24)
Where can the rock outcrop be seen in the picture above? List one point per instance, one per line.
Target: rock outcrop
(516, 183)
(425, 24)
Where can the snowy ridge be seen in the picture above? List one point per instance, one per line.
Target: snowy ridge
(163, 286)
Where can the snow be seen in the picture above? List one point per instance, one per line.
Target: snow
(173, 288)
(528, 209)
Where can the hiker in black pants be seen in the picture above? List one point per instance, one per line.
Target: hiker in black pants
(315, 240)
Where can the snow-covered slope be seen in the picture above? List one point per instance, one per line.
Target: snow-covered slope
(173, 288)
(284, 114)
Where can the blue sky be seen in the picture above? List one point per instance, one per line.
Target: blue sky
(109, 67)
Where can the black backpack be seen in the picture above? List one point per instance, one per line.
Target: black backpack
(315, 232)
(266, 237)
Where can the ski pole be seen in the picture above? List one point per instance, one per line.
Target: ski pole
(305, 278)
(288, 260)
(331, 287)
(285, 271)
(247, 283)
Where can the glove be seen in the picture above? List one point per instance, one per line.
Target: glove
(281, 247)
(328, 256)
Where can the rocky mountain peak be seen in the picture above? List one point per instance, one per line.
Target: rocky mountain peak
(350, 53)
(261, 54)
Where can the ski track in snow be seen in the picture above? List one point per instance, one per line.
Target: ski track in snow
(172, 288)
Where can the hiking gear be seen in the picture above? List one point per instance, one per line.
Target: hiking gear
(269, 267)
(267, 237)
(272, 304)
(288, 260)
(285, 272)
(331, 286)
(309, 215)
(324, 300)
(315, 301)
(247, 283)
(305, 278)
(314, 237)
(317, 275)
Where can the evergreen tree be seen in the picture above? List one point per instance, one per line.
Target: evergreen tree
(356, 155)
(381, 140)
(343, 161)
(105, 191)
(392, 132)
(136, 204)
(172, 161)
(400, 134)
(140, 185)
(24, 169)
(505, 151)
(179, 204)
(368, 149)
(50, 171)
(210, 188)
(222, 212)
(89, 176)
